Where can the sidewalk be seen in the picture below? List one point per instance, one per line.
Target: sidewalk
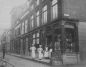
(43, 61)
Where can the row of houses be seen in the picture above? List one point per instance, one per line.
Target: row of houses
(5, 40)
(49, 23)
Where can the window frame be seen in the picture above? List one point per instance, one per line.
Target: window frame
(54, 13)
(37, 18)
(44, 14)
(32, 22)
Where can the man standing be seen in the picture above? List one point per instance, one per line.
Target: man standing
(3, 49)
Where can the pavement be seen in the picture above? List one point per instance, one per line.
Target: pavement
(43, 61)
(22, 62)
(19, 62)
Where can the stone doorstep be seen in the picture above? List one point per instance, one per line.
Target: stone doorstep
(44, 61)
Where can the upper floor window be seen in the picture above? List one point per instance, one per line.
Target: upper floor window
(54, 9)
(32, 22)
(17, 29)
(44, 14)
(37, 18)
(32, 7)
(26, 25)
(17, 22)
(37, 2)
(42, 0)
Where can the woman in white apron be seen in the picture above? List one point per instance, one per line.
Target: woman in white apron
(46, 53)
(33, 49)
(40, 50)
(50, 51)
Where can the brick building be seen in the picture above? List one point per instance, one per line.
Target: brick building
(44, 23)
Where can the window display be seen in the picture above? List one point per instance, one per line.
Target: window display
(70, 40)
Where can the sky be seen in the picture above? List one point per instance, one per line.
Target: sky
(5, 9)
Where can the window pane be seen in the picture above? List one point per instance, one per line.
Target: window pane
(37, 2)
(44, 15)
(33, 35)
(33, 41)
(37, 20)
(37, 34)
(54, 2)
(32, 22)
(32, 7)
(54, 12)
(37, 40)
(45, 8)
(37, 13)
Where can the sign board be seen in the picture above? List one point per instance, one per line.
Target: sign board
(75, 9)
(70, 58)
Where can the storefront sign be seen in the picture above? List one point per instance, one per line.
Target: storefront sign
(70, 58)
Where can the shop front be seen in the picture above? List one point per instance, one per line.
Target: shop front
(66, 47)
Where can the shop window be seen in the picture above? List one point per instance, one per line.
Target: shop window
(33, 35)
(33, 39)
(44, 14)
(70, 45)
(54, 9)
(37, 18)
(37, 34)
(37, 38)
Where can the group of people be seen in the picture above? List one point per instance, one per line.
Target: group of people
(40, 52)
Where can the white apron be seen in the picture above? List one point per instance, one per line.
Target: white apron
(33, 52)
(40, 53)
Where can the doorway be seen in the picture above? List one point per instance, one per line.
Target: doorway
(49, 41)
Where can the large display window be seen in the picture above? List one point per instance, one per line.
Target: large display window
(70, 38)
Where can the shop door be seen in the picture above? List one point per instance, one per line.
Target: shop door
(49, 40)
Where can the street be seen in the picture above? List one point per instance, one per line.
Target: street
(19, 62)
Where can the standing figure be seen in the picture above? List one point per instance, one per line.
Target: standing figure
(57, 44)
(50, 52)
(40, 50)
(33, 49)
(46, 53)
(3, 53)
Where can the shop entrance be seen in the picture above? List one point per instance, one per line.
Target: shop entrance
(49, 40)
